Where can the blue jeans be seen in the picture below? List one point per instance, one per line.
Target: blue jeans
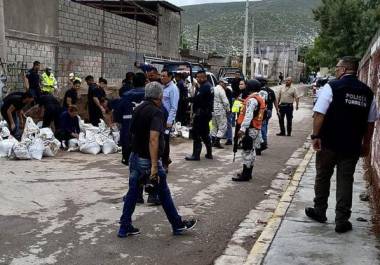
(230, 119)
(140, 167)
(264, 127)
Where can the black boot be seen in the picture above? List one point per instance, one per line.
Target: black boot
(258, 151)
(208, 148)
(246, 175)
(217, 144)
(196, 156)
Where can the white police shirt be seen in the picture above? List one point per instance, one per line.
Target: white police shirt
(325, 98)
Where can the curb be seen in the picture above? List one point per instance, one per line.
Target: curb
(260, 248)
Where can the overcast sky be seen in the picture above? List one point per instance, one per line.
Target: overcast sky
(197, 2)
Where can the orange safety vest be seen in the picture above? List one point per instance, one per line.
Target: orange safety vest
(258, 116)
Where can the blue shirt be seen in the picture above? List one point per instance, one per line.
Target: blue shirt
(170, 100)
(69, 124)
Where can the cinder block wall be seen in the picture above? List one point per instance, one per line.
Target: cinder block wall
(72, 37)
(100, 43)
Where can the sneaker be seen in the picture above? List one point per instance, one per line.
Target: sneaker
(186, 225)
(127, 230)
(343, 227)
(280, 134)
(311, 213)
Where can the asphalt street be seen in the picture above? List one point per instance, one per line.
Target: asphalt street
(65, 210)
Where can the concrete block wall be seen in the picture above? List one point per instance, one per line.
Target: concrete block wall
(111, 42)
(20, 56)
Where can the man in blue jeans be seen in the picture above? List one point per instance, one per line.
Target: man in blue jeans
(147, 129)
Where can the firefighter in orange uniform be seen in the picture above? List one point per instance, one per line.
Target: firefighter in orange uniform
(250, 120)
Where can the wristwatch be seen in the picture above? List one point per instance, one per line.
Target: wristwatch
(313, 137)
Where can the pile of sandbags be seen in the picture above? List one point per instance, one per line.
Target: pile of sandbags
(180, 131)
(35, 143)
(93, 140)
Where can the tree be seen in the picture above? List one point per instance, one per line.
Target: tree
(347, 27)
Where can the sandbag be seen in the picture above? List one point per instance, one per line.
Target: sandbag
(31, 130)
(73, 145)
(20, 151)
(6, 146)
(51, 147)
(92, 148)
(116, 136)
(5, 133)
(36, 149)
(46, 133)
(109, 147)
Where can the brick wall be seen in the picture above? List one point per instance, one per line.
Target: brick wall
(370, 74)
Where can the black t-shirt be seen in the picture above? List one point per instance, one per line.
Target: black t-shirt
(95, 92)
(14, 99)
(146, 117)
(271, 97)
(73, 94)
(48, 102)
(34, 79)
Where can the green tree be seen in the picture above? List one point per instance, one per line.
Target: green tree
(347, 27)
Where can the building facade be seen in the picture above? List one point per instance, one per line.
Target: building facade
(87, 37)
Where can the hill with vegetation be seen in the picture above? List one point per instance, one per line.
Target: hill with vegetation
(222, 24)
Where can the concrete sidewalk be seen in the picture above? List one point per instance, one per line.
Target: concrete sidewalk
(299, 240)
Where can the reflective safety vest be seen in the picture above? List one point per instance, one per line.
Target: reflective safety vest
(258, 115)
(236, 106)
(48, 83)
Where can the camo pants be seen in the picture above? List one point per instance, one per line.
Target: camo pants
(251, 141)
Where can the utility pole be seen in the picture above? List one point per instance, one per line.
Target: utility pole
(245, 47)
(253, 48)
(3, 45)
(198, 32)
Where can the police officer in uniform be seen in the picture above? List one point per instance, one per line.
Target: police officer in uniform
(250, 121)
(202, 108)
(344, 117)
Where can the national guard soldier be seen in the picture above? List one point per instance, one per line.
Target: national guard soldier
(250, 121)
(219, 116)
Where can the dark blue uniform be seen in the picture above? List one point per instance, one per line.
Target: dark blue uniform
(123, 116)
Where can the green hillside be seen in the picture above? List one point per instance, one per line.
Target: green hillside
(222, 24)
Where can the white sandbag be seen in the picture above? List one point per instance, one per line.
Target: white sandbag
(39, 124)
(92, 148)
(109, 147)
(46, 134)
(30, 130)
(73, 145)
(116, 136)
(6, 146)
(20, 151)
(51, 147)
(5, 133)
(36, 149)
(87, 126)
(3, 123)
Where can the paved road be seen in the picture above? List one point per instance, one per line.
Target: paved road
(65, 210)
